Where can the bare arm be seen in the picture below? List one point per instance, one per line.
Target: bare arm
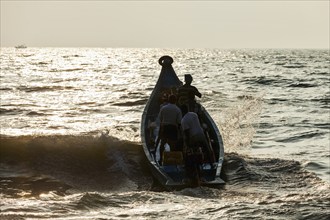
(197, 93)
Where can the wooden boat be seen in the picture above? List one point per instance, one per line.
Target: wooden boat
(172, 174)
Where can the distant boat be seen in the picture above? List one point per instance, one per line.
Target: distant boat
(21, 46)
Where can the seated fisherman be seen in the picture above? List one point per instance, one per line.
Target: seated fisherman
(170, 118)
(187, 93)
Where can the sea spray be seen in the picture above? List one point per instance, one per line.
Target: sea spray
(239, 123)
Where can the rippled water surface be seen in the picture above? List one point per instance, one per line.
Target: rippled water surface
(70, 124)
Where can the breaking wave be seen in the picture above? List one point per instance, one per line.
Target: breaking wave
(89, 172)
(105, 163)
(82, 162)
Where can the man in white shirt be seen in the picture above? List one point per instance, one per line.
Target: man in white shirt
(170, 119)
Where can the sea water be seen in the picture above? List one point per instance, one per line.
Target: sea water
(70, 133)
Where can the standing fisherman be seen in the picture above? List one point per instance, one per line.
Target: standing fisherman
(187, 93)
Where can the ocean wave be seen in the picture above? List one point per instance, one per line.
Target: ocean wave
(11, 111)
(102, 173)
(278, 81)
(302, 85)
(301, 136)
(324, 100)
(294, 65)
(106, 163)
(19, 111)
(41, 63)
(264, 172)
(131, 103)
(6, 89)
(314, 165)
(266, 80)
(67, 70)
(44, 88)
(34, 113)
(84, 162)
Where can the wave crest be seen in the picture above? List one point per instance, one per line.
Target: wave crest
(83, 162)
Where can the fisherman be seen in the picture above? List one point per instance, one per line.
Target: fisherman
(170, 119)
(195, 143)
(187, 93)
(155, 126)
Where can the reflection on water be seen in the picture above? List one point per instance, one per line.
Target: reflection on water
(70, 125)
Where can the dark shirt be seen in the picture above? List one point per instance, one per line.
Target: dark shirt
(187, 93)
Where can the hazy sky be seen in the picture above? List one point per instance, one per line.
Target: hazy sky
(166, 24)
